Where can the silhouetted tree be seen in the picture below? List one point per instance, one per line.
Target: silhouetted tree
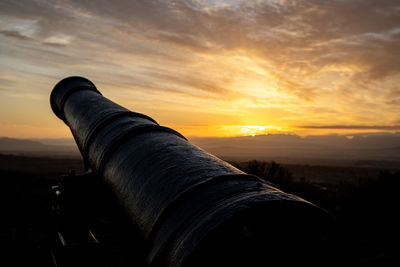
(269, 171)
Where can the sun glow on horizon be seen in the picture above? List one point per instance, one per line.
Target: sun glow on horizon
(257, 130)
(229, 130)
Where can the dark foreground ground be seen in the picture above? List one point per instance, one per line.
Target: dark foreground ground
(27, 229)
(364, 200)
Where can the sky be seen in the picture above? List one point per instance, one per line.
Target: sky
(207, 68)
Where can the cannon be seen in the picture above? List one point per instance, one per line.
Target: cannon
(192, 208)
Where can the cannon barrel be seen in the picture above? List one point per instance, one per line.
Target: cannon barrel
(192, 208)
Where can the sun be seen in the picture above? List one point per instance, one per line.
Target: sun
(255, 130)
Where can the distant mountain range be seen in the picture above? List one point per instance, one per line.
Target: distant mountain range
(55, 147)
(293, 148)
(283, 148)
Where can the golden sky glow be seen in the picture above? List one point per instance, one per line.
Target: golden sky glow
(207, 68)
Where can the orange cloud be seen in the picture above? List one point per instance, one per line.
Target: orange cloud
(282, 63)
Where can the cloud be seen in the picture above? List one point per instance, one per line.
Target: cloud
(352, 127)
(394, 102)
(305, 55)
(320, 33)
(58, 40)
(15, 34)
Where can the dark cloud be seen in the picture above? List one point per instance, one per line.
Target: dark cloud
(54, 44)
(15, 34)
(352, 127)
(395, 102)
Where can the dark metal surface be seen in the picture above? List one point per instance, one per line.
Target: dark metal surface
(189, 205)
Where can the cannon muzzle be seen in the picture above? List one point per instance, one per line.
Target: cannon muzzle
(192, 208)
